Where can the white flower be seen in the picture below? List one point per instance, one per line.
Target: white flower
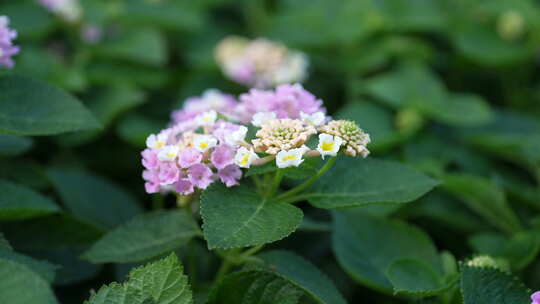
(206, 118)
(260, 117)
(245, 157)
(204, 142)
(157, 141)
(329, 145)
(168, 153)
(316, 119)
(237, 137)
(293, 157)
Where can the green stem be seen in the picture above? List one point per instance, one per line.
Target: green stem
(310, 181)
(275, 184)
(158, 202)
(192, 263)
(250, 252)
(226, 265)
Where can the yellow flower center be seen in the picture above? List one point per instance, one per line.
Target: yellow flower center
(203, 145)
(171, 154)
(327, 146)
(245, 159)
(160, 144)
(289, 157)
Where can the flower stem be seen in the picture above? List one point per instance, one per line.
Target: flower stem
(310, 181)
(226, 265)
(275, 184)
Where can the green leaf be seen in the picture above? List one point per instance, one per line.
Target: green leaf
(451, 112)
(18, 202)
(366, 246)
(134, 128)
(45, 269)
(106, 105)
(356, 182)
(303, 275)
(410, 276)
(31, 107)
(11, 145)
(94, 198)
(375, 120)
(239, 217)
(491, 286)
(20, 285)
(4, 244)
(146, 46)
(416, 87)
(174, 15)
(485, 198)
(160, 282)
(249, 287)
(144, 237)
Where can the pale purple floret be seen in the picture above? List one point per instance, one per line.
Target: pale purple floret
(286, 101)
(7, 49)
(189, 157)
(230, 175)
(184, 186)
(210, 100)
(535, 298)
(152, 181)
(223, 156)
(222, 129)
(200, 176)
(168, 173)
(149, 159)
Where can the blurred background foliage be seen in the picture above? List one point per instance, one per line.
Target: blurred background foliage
(450, 87)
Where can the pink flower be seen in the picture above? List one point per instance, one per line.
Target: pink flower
(211, 99)
(230, 175)
(200, 175)
(168, 173)
(149, 159)
(223, 156)
(535, 298)
(184, 186)
(189, 157)
(152, 181)
(7, 49)
(286, 101)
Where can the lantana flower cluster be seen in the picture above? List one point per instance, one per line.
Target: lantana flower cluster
(7, 48)
(207, 139)
(260, 63)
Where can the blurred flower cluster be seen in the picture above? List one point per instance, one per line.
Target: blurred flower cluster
(207, 139)
(7, 48)
(260, 63)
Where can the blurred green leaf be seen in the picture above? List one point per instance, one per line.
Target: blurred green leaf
(134, 128)
(144, 237)
(31, 107)
(19, 202)
(11, 145)
(366, 246)
(485, 198)
(45, 269)
(142, 46)
(20, 285)
(375, 120)
(106, 105)
(410, 276)
(94, 198)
